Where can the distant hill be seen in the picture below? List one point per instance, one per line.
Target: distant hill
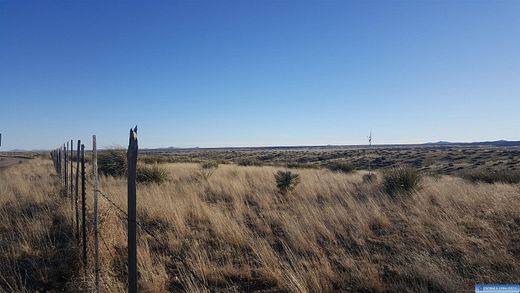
(498, 143)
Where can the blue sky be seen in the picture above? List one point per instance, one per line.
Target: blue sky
(256, 73)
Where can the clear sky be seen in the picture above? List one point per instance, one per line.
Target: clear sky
(256, 73)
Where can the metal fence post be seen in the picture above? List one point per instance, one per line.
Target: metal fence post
(71, 179)
(83, 208)
(76, 199)
(96, 227)
(132, 237)
(59, 165)
(65, 155)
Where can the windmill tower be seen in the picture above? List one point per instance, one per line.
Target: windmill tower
(369, 153)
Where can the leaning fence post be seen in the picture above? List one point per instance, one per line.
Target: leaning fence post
(132, 237)
(76, 199)
(83, 208)
(96, 227)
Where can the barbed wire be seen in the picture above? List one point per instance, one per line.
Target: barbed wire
(150, 233)
(106, 245)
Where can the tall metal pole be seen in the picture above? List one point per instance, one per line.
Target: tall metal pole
(76, 198)
(96, 228)
(59, 164)
(132, 202)
(369, 153)
(71, 179)
(66, 154)
(83, 208)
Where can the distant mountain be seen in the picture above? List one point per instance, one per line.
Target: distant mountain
(478, 143)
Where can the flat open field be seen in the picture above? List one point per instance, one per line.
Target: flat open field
(227, 228)
(454, 159)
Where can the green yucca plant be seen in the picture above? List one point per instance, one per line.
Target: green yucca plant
(401, 180)
(151, 174)
(286, 181)
(112, 162)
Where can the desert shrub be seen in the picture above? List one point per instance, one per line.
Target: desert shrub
(401, 180)
(248, 162)
(343, 167)
(286, 181)
(206, 170)
(209, 165)
(369, 178)
(493, 176)
(296, 165)
(112, 162)
(151, 174)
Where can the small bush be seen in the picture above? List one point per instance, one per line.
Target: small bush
(493, 176)
(401, 180)
(369, 178)
(209, 165)
(112, 162)
(206, 170)
(286, 181)
(343, 167)
(300, 166)
(248, 162)
(153, 174)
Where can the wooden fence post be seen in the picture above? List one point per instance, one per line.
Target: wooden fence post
(96, 227)
(76, 199)
(132, 237)
(83, 208)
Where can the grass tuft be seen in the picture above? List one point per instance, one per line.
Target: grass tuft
(153, 174)
(286, 181)
(369, 178)
(401, 180)
(112, 162)
(338, 166)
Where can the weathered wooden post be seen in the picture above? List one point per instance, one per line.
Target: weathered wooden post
(132, 237)
(76, 198)
(96, 227)
(83, 208)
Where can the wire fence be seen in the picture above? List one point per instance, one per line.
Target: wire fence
(74, 182)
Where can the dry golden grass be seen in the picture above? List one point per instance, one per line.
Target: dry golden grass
(36, 253)
(233, 231)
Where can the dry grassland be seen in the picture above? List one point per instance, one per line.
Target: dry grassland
(232, 232)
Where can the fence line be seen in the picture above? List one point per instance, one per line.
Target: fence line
(65, 169)
(130, 216)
